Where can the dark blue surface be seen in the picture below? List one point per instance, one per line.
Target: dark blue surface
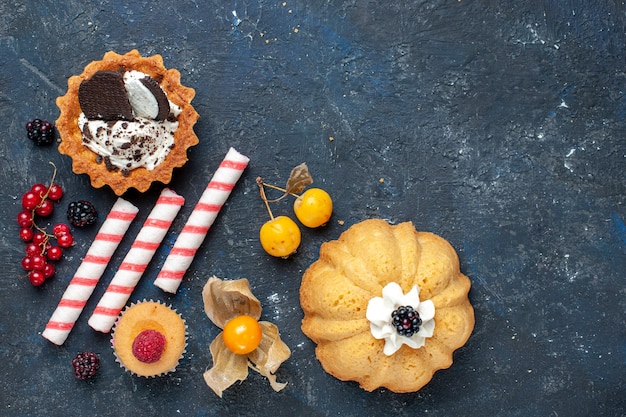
(499, 125)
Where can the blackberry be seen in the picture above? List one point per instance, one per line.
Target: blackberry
(85, 365)
(81, 213)
(40, 131)
(406, 321)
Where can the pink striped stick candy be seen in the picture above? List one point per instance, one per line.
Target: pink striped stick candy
(136, 261)
(90, 270)
(200, 221)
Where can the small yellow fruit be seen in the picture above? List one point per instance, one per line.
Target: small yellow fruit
(280, 236)
(314, 207)
(242, 334)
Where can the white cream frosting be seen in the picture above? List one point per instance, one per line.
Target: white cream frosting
(127, 145)
(379, 311)
(142, 101)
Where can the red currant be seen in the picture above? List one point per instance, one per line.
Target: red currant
(39, 200)
(54, 253)
(32, 249)
(39, 189)
(39, 238)
(55, 192)
(25, 218)
(65, 241)
(39, 262)
(48, 271)
(27, 263)
(60, 229)
(45, 208)
(30, 200)
(36, 278)
(26, 234)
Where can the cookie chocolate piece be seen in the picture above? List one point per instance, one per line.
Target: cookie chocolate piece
(104, 97)
(159, 95)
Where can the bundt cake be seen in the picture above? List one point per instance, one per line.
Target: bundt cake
(361, 303)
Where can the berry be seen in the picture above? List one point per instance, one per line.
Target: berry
(36, 278)
(280, 236)
(33, 249)
(30, 200)
(55, 192)
(148, 346)
(38, 262)
(65, 241)
(406, 321)
(60, 229)
(48, 271)
(85, 365)
(313, 208)
(39, 189)
(39, 238)
(242, 334)
(54, 253)
(27, 263)
(40, 131)
(25, 218)
(81, 213)
(45, 208)
(26, 234)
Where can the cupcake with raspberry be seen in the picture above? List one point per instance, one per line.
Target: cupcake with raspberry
(126, 121)
(149, 339)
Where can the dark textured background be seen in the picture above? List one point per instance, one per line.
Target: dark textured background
(499, 125)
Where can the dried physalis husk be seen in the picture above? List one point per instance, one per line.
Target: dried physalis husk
(270, 354)
(298, 179)
(224, 300)
(227, 369)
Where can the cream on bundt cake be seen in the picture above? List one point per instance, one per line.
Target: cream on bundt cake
(386, 305)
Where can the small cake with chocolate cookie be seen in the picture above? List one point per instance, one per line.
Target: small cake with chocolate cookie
(127, 122)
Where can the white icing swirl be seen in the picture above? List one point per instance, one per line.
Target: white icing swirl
(379, 311)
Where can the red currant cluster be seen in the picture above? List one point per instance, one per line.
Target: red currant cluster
(39, 201)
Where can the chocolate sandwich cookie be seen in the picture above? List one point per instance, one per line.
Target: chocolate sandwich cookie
(104, 97)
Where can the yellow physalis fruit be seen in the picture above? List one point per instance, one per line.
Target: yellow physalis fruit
(242, 334)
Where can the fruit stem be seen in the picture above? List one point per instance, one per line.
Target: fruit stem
(259, 182)
(280, 189)
(54, 174)
(43, 197)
